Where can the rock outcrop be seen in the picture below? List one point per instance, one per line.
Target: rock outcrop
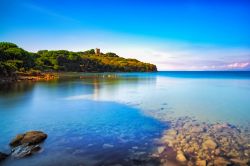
(24, 150)
(26, 144)
(30, 138)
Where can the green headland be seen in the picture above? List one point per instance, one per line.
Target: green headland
(16, 62)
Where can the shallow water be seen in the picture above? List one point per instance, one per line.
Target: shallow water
(80, 115)
(207, 96)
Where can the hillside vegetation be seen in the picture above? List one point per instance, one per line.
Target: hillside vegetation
(14, 60)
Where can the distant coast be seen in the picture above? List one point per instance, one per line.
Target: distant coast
(18, 64)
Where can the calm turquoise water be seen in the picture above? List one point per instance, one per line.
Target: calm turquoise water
(82, 114)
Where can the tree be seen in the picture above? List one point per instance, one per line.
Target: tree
(89, 52)
(111, 54)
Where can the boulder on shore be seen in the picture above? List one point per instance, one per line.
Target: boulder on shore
(30, 138)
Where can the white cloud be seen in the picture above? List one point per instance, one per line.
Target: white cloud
(238, 65)
(193, 58)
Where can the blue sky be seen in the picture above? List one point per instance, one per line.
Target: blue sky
(175, 35)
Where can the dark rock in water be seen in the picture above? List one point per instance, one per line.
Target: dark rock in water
(30, 138)
(24, 150)
(27, 144)
(17, 140)
(3, 156)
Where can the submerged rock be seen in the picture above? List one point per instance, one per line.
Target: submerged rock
(201, 163)
(180, 157)
(221, 127)
(217, 151)
(197, 129)
(24, 150)
(30, 138)
(26, 144)
(209, 144)
(221, 162)
(3, 156)
(240, 162)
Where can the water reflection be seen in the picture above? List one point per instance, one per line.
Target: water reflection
(19, 90)
(90, 118)
(82, 131)
(112, 84)
(103, 132)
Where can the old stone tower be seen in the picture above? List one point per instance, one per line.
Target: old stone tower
(97, 51)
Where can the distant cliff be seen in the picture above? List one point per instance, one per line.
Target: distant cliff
(15, 60)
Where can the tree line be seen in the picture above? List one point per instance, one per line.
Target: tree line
(14, 59)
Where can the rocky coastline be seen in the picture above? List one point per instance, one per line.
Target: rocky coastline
(27, 76)
(37, 76)
(192, 143)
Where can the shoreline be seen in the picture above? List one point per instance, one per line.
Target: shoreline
(47, 76)
(27, 76)
(43, 76)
